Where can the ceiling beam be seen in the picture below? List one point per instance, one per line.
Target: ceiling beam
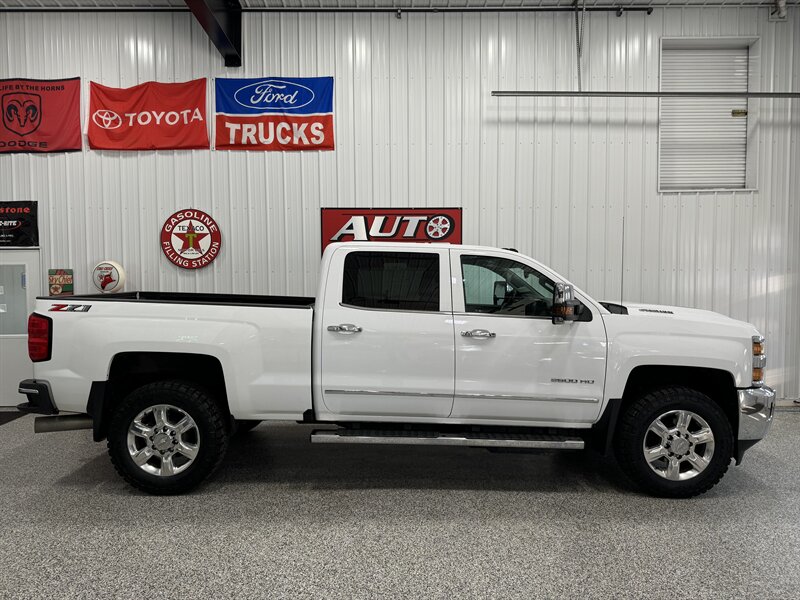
(222, 21)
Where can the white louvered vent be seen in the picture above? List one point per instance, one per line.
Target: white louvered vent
(702, 145)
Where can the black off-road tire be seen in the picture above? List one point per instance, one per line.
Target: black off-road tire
(244, 425)
(632, 428)
(212, 425)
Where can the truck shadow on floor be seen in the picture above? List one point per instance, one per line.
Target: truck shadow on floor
(283, 455)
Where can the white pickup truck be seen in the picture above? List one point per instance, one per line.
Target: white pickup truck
(404, 344)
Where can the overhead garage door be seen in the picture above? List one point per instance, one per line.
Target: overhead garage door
(703, 141)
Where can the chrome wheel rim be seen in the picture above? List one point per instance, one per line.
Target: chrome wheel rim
(163, 440)
(678, 445)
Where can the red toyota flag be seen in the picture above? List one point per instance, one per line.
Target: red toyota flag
(40, 115)
(149, 116)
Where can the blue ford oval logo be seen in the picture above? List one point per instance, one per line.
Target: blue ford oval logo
(274, 94)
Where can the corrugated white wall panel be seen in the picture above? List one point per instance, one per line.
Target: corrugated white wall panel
(571, 181)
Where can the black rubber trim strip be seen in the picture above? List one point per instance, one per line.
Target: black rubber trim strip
(188, 298)
(94, 408)
(743, 446)
(603, 431)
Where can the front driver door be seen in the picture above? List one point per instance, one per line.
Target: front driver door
(512, 362)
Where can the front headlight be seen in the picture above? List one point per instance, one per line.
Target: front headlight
(759, 360)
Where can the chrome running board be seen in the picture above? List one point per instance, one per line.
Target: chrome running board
(434, 438)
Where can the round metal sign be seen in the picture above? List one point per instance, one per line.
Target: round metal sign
(108, 276)
(191, 239)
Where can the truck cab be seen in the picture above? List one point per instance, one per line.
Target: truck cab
(436, 332)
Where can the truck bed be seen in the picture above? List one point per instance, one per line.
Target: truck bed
(192, 298)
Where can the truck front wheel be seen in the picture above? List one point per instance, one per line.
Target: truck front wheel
(674, 442)
(167, 437)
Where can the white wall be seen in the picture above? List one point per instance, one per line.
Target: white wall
(572, 182)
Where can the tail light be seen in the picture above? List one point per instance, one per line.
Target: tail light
(759, 360)
(40, 337)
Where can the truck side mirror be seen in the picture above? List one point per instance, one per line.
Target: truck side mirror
(564, 303)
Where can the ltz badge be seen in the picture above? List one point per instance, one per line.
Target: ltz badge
(191, 239)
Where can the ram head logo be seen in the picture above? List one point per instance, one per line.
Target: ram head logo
(22, 113)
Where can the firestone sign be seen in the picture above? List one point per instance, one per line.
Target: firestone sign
(18, 224)
(391, 225)
(191, 239)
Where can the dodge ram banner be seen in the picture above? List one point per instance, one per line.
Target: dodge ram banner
(275, 113)
(391, 225)
(18, 225)
(149, 116)
(40, 115)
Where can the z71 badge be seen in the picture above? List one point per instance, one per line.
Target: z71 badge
(69, 307)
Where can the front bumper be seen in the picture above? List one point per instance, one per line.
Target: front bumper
(756, 408)
(40, 400)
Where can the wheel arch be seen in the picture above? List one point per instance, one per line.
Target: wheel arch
(131, 370)
(717, 384)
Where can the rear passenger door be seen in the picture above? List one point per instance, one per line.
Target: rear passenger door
(387, 347)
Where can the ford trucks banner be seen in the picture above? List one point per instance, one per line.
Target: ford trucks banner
(150, 116)
(18, 225)
(275, 113)
(40, 115)
(391, 225)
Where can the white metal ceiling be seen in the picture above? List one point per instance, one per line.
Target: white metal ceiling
(259, 4)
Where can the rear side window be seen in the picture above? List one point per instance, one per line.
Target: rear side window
(391, 280)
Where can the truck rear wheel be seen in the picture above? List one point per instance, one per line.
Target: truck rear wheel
(674, 442)
(167, 437)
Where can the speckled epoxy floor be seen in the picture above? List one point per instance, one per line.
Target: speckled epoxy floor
(287, 519)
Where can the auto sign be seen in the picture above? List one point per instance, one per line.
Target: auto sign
(391, 225)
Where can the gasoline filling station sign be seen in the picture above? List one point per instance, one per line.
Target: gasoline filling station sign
(191, 239)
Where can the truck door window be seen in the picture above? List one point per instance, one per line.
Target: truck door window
(391, 281)
(502, 286)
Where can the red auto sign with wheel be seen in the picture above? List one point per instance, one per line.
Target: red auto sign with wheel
(391, 225)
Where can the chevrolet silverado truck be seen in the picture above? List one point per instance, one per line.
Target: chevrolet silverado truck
(421, 344)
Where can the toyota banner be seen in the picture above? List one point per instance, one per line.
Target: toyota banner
(149, 116)
(391, 225)
(274, 113)
(40, 115)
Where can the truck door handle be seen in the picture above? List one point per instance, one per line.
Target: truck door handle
(345, 328)
(479, 333)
